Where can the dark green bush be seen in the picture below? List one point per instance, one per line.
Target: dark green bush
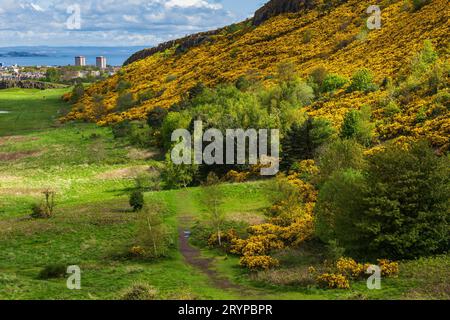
(53, 271)
(137, 200)
(418, 4)
(38, 211)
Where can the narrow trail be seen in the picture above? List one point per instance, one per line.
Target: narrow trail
(193, 255)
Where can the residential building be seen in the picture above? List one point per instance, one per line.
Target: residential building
(100, 62)
(80, 61)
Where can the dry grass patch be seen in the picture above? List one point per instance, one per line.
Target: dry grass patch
(15, 139)
(246, 217)
(124, 173)
(14, 156)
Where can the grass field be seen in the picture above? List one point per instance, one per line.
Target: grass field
(93, 225)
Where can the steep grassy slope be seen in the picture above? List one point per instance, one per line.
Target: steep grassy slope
(335, 38)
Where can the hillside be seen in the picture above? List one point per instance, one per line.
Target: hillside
(334, 37)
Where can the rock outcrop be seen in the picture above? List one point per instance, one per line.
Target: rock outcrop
(277, 7)
(182, 45)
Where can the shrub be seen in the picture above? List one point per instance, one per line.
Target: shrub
(137, 200)
(44, 209)
(362, 80)
(388, 268)
(332, 82)
(418, 4)
(307, 36)
(140, 291)
(255, 263)
(139, 135)
(53, 271)
(125, 101)
(121, 129)
(37, 211)
(171, 77)
(155, 117)
(123, 85)
(333, 281)
(391, 109)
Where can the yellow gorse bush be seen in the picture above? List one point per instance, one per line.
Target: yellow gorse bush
(333, 281)
(255, 263)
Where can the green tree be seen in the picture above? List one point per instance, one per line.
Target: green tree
(77, 92)
(340, 155)
(362, 80)
(172, 122)
(176, 176)
(212, 199)
(152, 233)
(397, 208)
(357, 125)
(332, 82)
(302, 140)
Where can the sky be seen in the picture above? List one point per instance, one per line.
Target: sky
(114, 22)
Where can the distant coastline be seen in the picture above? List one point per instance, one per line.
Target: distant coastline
(21, 54)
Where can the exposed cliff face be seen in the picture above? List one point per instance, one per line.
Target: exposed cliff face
(277, 7)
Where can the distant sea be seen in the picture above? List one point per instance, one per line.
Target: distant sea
(63, 56)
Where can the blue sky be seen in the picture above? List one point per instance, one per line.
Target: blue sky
(114, 22)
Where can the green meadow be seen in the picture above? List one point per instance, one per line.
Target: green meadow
(92, 174)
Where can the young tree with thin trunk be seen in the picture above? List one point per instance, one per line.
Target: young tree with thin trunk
(212, 200)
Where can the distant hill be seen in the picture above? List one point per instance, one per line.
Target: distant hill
(22, 54)
(311, 34)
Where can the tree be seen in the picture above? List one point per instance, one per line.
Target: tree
(397, 208)
(212, 199)
(152, 233)
(172, 122)
(52, 75)
(362, 80)
(176, 176)
(332, 82)
(302, 140)
(357, 125)
(77, 92)
(340, 155)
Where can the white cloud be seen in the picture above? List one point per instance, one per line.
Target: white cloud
(112, 22)
(36, 7)
(192, 3)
